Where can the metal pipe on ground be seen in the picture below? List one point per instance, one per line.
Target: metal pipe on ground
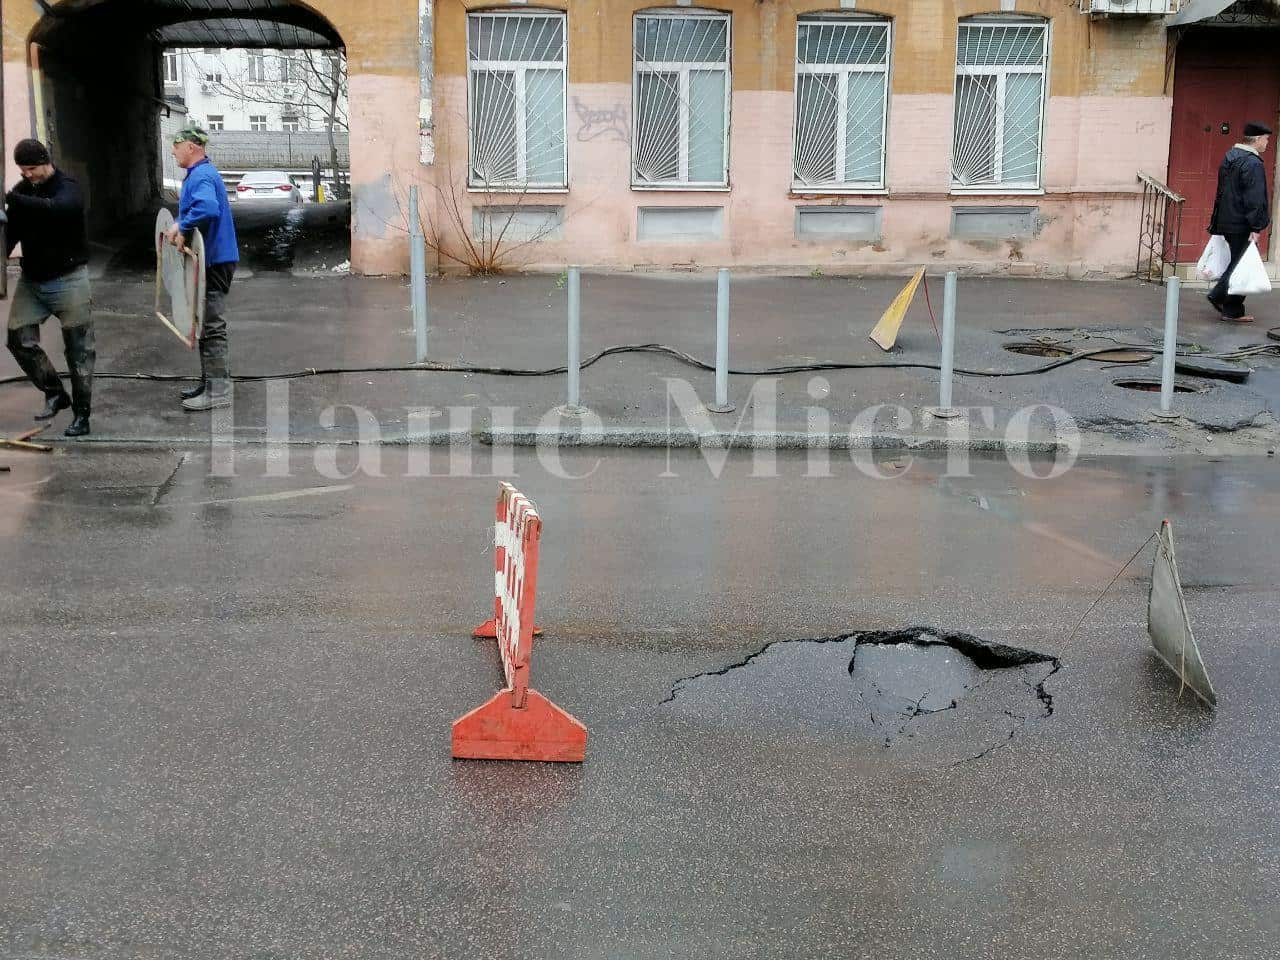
(944, 408)
(418, 277)
(1170, 358)
(574, 363)
(722, 404)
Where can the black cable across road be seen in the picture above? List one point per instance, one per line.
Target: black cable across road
(658, 348)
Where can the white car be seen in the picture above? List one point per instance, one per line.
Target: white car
(268, 185)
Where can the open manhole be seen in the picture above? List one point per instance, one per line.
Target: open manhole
(1031, 348)
(921, 693)
(1122, 356)
(1149, 385)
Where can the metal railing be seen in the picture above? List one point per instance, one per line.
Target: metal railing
(1159, 230)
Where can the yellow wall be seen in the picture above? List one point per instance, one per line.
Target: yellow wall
(1122, 57)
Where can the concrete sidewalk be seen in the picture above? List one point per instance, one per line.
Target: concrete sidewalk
(283, 326)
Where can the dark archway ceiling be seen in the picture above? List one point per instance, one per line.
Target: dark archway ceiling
(273, 24)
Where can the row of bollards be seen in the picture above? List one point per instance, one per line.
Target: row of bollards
(573, 363)
(945, 410)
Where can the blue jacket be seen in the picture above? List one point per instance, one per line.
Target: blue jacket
(203, 205)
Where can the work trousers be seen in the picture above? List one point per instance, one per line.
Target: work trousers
(67, 298)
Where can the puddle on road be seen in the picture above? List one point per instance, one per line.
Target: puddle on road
(916, 693)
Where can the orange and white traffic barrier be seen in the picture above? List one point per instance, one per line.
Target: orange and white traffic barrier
(517, 723)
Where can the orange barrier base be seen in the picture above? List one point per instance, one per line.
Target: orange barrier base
(489, 630)
(497, 731)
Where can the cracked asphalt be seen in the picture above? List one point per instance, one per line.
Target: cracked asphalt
(225, 707)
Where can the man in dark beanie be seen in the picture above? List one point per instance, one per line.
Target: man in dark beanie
(203, 206)
(46, 216)
(1240, 211)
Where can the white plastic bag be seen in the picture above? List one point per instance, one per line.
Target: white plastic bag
(1215, 259)
(1250, 275)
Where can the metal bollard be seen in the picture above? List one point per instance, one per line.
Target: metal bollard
(722, 404)
(1170, 346)
(418, 276)
(944, 409)
(575, 337)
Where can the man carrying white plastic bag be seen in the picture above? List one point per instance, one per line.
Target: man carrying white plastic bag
(1240, 214)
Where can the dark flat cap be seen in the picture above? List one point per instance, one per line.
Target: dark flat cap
(1257, 130)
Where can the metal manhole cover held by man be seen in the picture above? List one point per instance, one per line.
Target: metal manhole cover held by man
(203, 206)
(1240, 212)
(46, 215)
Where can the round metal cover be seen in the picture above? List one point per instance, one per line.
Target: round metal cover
(1121, 355)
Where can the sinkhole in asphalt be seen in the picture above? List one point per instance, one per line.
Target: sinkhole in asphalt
(917, 692)
(1153, 386)
(1034, 349)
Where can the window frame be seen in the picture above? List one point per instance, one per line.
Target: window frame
(683, 68)
(291, 123)
(216, 121)
(257, 118)
(256, 67)
(171, 57)
(843, 71)
(519, 68)
(1002, 74)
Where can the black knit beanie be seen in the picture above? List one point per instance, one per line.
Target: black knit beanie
(31, 153)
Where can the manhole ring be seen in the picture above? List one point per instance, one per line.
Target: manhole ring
(1149, 385)
(1032, 348)
(1122, 356)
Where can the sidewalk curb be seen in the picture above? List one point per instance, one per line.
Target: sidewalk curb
(618, 437)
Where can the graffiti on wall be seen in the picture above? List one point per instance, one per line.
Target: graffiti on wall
(608, 123)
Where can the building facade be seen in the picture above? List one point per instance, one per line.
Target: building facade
(790, 135)
(990, 136)
(260, 91)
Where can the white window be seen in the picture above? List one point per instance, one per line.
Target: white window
(214, 76)
(999, 105)
(288, 68)
(842, 83)
(217, 121)
(257, 68)
(172, 67)
(258, 121)
(290, 124)
(680, 100)
(516, 96)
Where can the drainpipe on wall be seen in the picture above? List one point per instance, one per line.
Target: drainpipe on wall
(426, 77)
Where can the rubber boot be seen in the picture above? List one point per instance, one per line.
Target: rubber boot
(81, 358)
(24, 344)
(52, 404)
(217, 395)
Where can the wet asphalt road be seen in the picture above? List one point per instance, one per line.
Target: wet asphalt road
(225, 708)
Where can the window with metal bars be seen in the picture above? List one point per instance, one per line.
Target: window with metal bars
(842, 83)
(516, 100)
(680, 100)
(999, 105)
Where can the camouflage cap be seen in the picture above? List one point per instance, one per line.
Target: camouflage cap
(193, 132)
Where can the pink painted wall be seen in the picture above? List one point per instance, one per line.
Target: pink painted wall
(1094, 147)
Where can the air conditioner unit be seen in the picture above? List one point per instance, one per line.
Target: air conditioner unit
(1130, 8)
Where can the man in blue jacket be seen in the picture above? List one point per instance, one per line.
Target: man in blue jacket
(203, 206)
(1241, 211)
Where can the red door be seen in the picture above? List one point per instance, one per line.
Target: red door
(1225, 78)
